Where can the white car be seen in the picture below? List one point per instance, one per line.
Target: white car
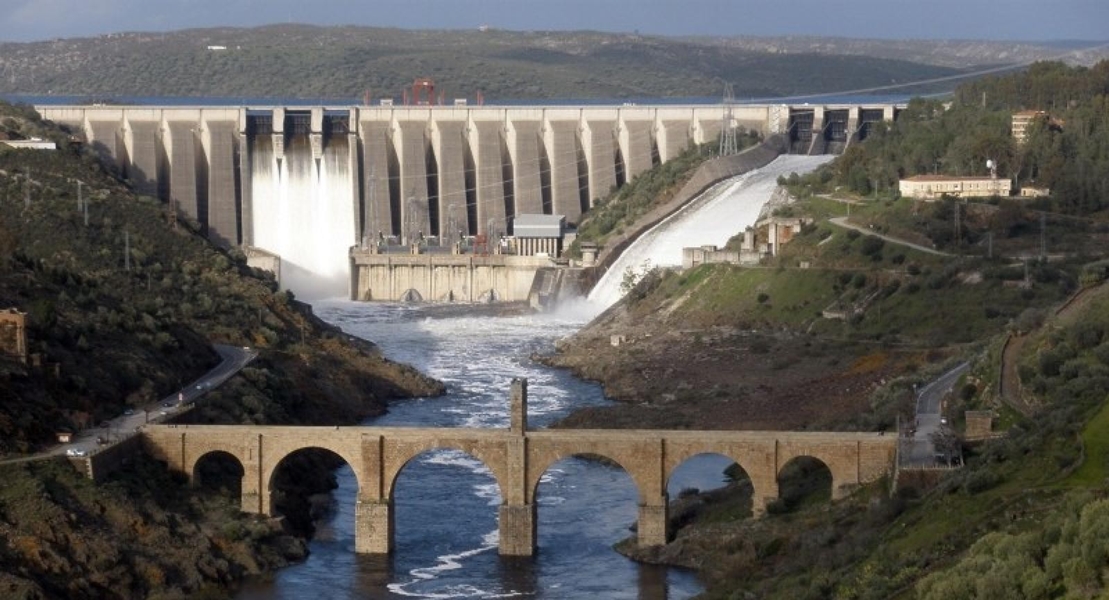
(75, 452)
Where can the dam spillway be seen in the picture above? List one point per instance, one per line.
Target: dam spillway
(309, 183)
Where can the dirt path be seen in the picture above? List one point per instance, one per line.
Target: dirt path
(842, 222)
(1010, 380)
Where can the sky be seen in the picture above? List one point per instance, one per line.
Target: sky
(1030, 20)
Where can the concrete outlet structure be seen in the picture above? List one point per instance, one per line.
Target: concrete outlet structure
(517, 459)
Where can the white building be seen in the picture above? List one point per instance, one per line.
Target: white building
(931, 187)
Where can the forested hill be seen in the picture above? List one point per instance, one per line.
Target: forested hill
(343, 62)
(1066, 151)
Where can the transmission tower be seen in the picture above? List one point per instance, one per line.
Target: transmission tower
(728, 144)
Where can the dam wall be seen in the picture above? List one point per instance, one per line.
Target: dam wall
(309, 183)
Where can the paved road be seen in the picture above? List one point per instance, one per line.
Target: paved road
(234, 359)
(918, 450)
(842, 222)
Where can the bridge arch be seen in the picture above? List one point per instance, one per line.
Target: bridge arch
(739, 476)
(296, 507)
(218, 466)
(803, 477)
(491, 455)
(755, 458)
(281, 455)
(536, 474)
(460, 509)
(843, 461)
(538, 466)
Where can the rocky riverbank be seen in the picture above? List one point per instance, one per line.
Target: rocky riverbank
(666, 373)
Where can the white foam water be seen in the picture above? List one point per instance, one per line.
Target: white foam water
(712, 218)
(303, 211)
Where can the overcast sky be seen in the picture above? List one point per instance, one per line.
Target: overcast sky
(26, 20)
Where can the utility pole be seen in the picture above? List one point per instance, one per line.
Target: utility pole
(1043, 236)
(80, 199)
(958, 232)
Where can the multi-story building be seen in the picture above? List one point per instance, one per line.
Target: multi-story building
(1022, 120)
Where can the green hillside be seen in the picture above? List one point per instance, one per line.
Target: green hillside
(297, 61)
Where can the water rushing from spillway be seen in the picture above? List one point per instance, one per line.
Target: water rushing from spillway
(712, 218)
(445, 502)
(303, 211)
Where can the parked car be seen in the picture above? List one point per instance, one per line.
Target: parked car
(75, 452)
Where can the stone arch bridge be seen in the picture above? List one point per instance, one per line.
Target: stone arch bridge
(517, 458)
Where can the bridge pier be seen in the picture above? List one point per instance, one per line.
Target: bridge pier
(250, 494)
(373, 527)
(652, 524)
(517, 530)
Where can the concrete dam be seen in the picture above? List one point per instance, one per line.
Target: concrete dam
(312, 186)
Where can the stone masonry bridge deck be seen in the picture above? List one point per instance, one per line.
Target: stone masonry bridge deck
(517, 459)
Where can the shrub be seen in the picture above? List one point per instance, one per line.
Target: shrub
(872, 245)
(981, 480)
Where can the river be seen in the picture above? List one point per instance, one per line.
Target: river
(446, 502)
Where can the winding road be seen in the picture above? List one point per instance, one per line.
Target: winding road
(114, 430)
(918, 449)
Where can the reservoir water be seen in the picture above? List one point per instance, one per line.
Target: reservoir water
(446, 502)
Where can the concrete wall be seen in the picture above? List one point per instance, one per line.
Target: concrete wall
(517, 459)
(443, 277)
(108, 459)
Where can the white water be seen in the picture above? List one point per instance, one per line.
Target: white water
(723, 211)
(304, 213)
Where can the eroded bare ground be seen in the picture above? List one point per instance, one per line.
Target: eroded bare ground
(727, 378)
